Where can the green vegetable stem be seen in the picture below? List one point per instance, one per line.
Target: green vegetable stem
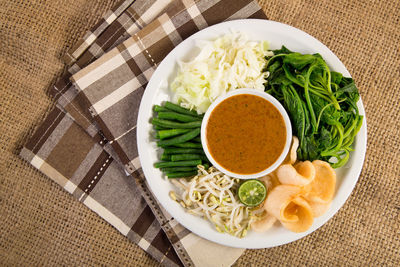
(176, 125)
(177, 116)
(158, 108)
(197, 139)
(180, 139)
(189, 145)
(179, 109)
(178, 132)
(181, 174)
(180, 157)
(165, 157)
(163, 134)
(173, 150)
(178, 169)
(177, 163)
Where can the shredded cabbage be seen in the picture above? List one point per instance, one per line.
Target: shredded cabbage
(212, 195)
(230, 62)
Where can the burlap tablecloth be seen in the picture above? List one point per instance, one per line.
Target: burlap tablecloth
(42, 224)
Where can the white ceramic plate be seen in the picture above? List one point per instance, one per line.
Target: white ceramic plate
(157, 91)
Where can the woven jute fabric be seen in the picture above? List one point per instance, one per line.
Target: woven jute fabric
(41, 224)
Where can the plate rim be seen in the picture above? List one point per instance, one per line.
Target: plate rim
(361, 137)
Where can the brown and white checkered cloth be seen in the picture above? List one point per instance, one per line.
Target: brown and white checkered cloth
(90, 161)
(114, 84)
(64, 152)
(113, 29)
(124, 18)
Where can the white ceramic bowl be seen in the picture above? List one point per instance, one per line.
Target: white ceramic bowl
(271, 100)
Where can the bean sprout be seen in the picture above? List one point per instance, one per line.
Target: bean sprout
(212, 195)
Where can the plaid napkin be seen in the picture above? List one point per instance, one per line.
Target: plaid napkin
(110, 31)
(87, 160)
(114, 84)
(125, 18)
(64, 152)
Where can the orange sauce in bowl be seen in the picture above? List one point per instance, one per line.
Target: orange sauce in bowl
(245, 134)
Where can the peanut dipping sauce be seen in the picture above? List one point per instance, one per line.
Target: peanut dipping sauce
(245, 134)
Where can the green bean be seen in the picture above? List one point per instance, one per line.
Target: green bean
(176, 125)
(181, 157)
(172, 150)
(166, 164)
(177, 116)
(181, 174)
(179, 109)
(189, 145)
(179, 139)
(196, 139)
(165, 157)
(207, 162)
(159, 127)
(158, 108)
(170, 132)
(178, 169)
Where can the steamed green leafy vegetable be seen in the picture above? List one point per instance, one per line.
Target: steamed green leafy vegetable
(321, 104)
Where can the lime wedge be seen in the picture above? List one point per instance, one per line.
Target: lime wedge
(252, 193)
